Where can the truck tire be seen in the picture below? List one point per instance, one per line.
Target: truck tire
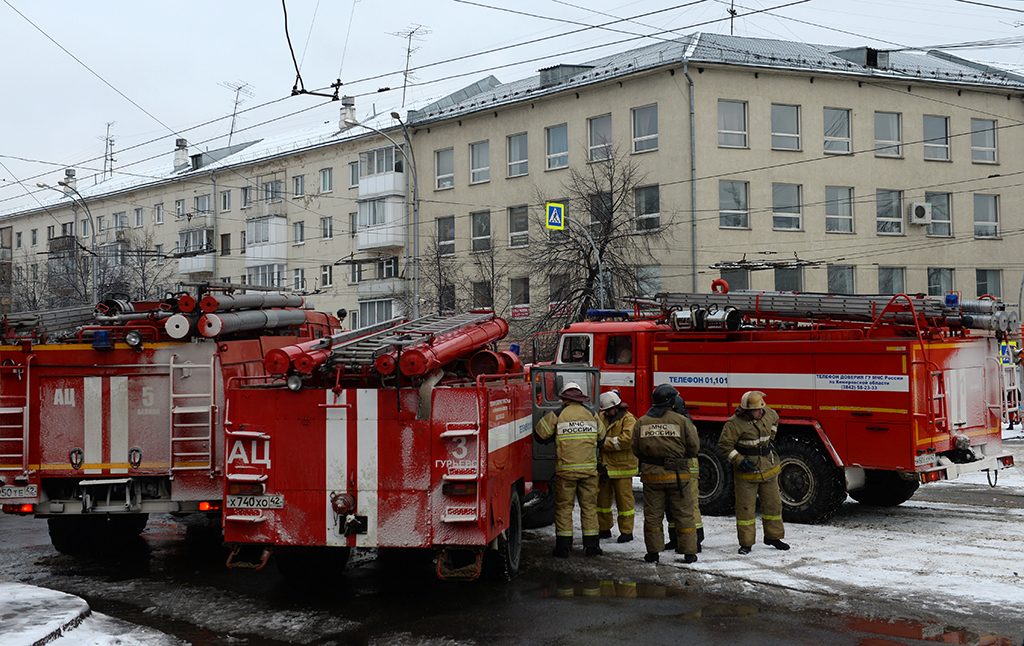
(884, 489)
(812, 486)
(311, 564)
(74, 534)
(717, 490)
(539, 508)
(503, 564)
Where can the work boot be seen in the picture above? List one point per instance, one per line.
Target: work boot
(700, 535)
(672, 543)
(624, 538)
(604, 533)
(651, 557)
(689, 558)
(563, 545)
(744, 549)
(591, 546)
(776, 543)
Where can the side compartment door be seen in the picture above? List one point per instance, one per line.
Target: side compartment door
(547, 382)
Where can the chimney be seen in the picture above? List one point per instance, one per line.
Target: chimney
(181, 160)
(348, 111)
(69, 181)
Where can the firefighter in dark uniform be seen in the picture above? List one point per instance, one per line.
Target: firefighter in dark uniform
(665, 442)
(617, 467)
(577, 433)
(679, 406)
(747, 442)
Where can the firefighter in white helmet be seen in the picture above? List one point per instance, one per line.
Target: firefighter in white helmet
(577, 433)
(747, 442)
(617, 467)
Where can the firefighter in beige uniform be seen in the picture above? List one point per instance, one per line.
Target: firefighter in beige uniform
(618, 466)
(746, 442)
(665, 441)
(577, 433)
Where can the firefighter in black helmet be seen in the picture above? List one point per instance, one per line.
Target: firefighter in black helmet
(665, 442)
(747, 442)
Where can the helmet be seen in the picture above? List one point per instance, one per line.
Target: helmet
(679, 405)
(573, 392)
(609, 399)
(663, 394)
(752, 400)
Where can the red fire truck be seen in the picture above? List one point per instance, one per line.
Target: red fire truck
(876, 395)
(410, 434)
(110, 413)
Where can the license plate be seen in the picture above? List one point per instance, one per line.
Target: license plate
(924, 460)
(30, 491)
(270, 501)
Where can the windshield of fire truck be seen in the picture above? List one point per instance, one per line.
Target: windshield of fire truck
(550, 384)
(575, 348)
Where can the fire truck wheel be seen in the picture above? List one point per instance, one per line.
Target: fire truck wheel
(503, 564)
(539, 508)
(309, 564)
(884, 489)
(717, 490)
(812, 486)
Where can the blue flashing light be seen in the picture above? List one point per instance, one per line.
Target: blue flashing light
(952, 301)
(101, 340)
(514, 348)
(609, 314)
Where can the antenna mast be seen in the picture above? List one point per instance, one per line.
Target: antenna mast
(410, 34)
(240, 88)
(108, 152)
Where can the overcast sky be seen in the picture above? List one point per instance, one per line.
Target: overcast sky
(157, 71)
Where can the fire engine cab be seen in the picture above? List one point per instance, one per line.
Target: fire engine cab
(876, 394)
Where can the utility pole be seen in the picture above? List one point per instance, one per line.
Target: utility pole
(732, 15)
(240, 88)
(108, 152)
(413, 33)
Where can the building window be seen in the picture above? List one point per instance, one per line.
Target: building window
(241, 246)
(889, 211)
(326, 275)
(600, 137)
(326, 180)
(159, 252)
(298, 279)
(557, 138)
(479, 162)
(520, 290)
(67, 229)
(267, 275)
(355, 273)
(481, 230)
(35, 272)
(482, 297)
(298, 232)
(272, 191)
(888, 135)
(444, 164)
(387, 268)
(85, 228)
(785, 127)
(298, 186)
(446, 236)
(936, 137)
(518, 163)
(786, 206)
(601, 214)
(837, 131)
(17, 239)
(942, 222)
(983, 141)
(353, 174)
(940, 281)
(986, 216)
(202, 204)
(648, 280)
(120, 220)
(179, 209)
(891, 281)
(326, 228)
(373, 213)
(353, 223)
(645, 129)
(446, 299)
(377, 162)
(225, 244)
(737, 279)
(195, 240)
(733, 212)
(50, 234)
(518, 227)
(158, 214)
(732, 124)
(989, 282)
(259, 230)
(840, 279)
(374, 312)
(789, 279)
(101, 224)
(138, 218)
(35, 237)
(838, 209)
(648, 208)
(248, 195)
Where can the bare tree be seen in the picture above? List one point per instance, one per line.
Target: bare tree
(440, 277)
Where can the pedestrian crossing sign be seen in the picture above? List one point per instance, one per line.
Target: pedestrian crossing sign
(556, 215)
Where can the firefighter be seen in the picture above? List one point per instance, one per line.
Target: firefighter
(617, 467)
(665, 442)
(747, 442)
(577, 433)
(679, 406)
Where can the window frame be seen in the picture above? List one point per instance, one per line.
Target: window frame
(479, 242)
(647, 217)
(327, 179)
(298, 186)
(479, 174)
(724, 134)
(524, 291)
(599, 150)
(928, 143)
(158, 213)
(883, 145)
(353, 174)
(515, 233)
(780, 135)
(225, 201)
(444, 180)
(327, 227)
(997, 273)
(849, 276)
(880, 221)
(514, 164)
(326, 275)
(446, 244)
(847, 140)
(932, 229)
(939, 275)
(744, 214)
(139, 218)
(839, 217)
(646, 142)
(795, 216)
(977, 149)
(780, 274)
(987, 224)
(552, 157)
(299, 232)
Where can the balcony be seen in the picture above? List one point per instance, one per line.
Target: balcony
(201, 220)
(389, 228)
(271, 232)
(197, 264)
(382, 184)
(381, 288)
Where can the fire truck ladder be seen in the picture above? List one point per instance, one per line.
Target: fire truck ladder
(14, 429)
(47, 321)
(192, 425)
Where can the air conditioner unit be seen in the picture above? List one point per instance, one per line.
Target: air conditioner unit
(920, 213)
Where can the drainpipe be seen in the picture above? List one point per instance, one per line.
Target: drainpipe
(213, 242)
(693, 180)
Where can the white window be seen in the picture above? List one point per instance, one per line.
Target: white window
(840, 279)
(838, 209)
(353, 223)
(888, 211)
(248, 195)
(786, 209)
(518, 163)
(444, 168)
(520, 290)
(326, 228)
(35, 237)
(326, 180)
(179, 209)
(298, 232)
(599, 131)
(85, 229)
(202, 204)
(353, 174)
(785, 127)
(373, 213)
(648, 280)
(158, 214)
(940, 281)
(387, 268)
(159, 249)
(481, 230)
(601, 213)
(374, 312)
(888, 135)
(101, 224)
(298, 279)
(645, 128)
(647, 206)
(298, 186)
(258, 231)
(446, 236)
(942, 221)
(195, 240)
(17, 238)
(983, 141)
(479, 162)
(355, 274)
(267, 275)
(377, 161)
(272, 191)
(557, 141)
(789, 279)
(326, 275)
(988, 282)
(733, 212)
(138, 218)
(225, 200)
(518, 226)
(732, 124)
(986, 216)
(67, 229)
(936, 137)
(837, 131)
(120, 220)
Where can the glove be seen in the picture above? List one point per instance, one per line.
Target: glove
(747, 465)
(602, 473)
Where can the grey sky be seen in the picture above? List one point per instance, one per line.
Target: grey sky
(155, 69)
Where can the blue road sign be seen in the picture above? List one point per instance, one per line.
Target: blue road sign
(556, 215)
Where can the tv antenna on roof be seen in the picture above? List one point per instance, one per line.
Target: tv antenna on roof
(241, 88)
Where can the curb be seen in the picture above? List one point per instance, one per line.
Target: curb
(34, 616)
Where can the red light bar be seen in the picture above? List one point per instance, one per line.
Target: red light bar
(26, 508)
(1006, 461)
(459, 488)
(209, 506)
(933, 476)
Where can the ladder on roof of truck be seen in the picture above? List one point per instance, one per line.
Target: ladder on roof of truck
(14, 422)
(47, 321)
(192, 418)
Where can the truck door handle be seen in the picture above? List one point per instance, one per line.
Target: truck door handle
(878, 428)
(861, 414)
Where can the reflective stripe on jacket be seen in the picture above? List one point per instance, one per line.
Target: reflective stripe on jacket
(671, 436)
(746, 437)
(617, 454)
(577, 432)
